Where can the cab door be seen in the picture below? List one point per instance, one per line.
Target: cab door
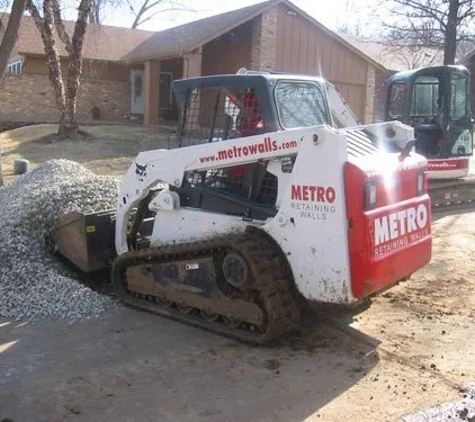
(428, 113)
(459, 141)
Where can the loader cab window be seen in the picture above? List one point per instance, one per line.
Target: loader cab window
(397, 96)
(244, 108)
(300, 104)
(425, 102)
(427, 114)
(217, 113)
(459, 97)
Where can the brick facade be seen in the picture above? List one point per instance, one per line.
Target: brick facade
(30, 97)
(370, 94)
(264, 41)
(381, 85)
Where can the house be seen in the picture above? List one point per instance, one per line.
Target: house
(27, 94)
(128, 73)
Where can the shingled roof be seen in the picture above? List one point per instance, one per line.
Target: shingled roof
(188, 36)
(101, 42)
(109, 43)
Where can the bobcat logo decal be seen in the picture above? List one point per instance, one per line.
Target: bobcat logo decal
(141, 171)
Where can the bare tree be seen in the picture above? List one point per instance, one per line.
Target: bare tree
(95, 14)
(350, 22)
(100, 9)
(52, 29)
(431, 23)
(9, 39)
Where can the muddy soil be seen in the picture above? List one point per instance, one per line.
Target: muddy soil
(412, 349)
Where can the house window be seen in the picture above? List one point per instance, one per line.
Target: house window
(165, 87)
(15, 67)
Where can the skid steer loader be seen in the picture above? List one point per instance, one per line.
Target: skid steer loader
(262, 201)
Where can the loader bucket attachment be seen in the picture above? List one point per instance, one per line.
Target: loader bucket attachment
(87, 240)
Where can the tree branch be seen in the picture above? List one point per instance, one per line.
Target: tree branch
(58, 22)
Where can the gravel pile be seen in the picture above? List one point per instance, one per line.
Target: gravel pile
(463, 410)
(33, 283)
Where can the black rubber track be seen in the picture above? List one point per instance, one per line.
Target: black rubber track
(272, 275)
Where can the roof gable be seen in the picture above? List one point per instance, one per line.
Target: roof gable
(185, 38)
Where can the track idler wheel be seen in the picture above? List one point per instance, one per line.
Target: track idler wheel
(236, 271)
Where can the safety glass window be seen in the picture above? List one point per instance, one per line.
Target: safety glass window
(459, 106)
(397, 96)
(425, 97)
(300, 104)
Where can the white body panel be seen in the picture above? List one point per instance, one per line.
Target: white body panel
(446, 168)
(313, 234)
(185, 225)
(390, 132)
(311, 225)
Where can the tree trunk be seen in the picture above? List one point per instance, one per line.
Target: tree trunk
(65, 96)
(70, 125)
(11, 34)
(95, 12)
(9, 40)
(450, 47)
(46, 28)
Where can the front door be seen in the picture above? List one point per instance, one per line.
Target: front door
(137, 91)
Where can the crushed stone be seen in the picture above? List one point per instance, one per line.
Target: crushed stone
(34, 284)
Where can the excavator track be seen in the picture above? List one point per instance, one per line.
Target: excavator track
(452, 194)
(251, 298)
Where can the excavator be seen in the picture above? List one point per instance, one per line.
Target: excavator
(262, 202)
(436, 102)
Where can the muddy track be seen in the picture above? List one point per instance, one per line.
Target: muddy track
(270, 298)
(452, 193)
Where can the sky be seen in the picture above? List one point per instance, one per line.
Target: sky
(330, 13)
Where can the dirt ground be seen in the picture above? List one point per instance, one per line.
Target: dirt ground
(411, 349)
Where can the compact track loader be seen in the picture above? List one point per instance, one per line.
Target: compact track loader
(261, 201)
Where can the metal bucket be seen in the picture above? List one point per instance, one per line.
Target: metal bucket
(87, 240)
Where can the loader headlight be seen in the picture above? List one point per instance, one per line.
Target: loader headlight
(370, 194)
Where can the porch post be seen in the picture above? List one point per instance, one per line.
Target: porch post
(192, 63)
(264, 41)
(192, 68)
(151, 105)
(370, 95)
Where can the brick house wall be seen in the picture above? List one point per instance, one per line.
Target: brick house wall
(30, 97)
(381, 79)
(264, 41)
